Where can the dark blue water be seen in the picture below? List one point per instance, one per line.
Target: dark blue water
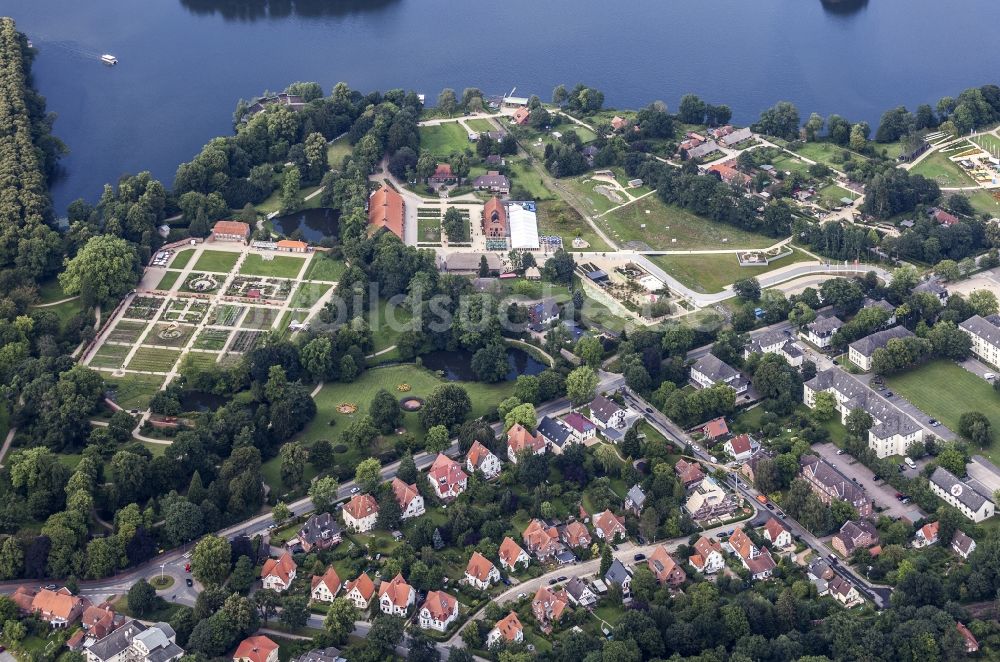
(184, 63)
(315, 224)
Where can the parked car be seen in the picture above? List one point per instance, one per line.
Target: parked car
(770, 506)
(639, 557)
(522, 595)
(552, 582)
(649, 410)
(840, 451)
(562, 578)
(189, 581)
(720, 534)
(355, 490)
(889, 394)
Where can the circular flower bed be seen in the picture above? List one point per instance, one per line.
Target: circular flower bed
(347, 408)
(411, 404)
(172, 332)
(403, 388)
(203, 283)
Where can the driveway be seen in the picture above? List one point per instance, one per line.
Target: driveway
(883, 493)
(921, 417)
(976, 367)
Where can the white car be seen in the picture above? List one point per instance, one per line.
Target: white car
(355, 490)
(989, 376)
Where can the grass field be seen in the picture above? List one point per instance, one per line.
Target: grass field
(712, 273)
(336, 151)
(127, 331)
(988, 142)
(134, 391)
(259, 318)
(556, 217)
(273, 201)
(200, 359)
(66, 311)
(50, 291)
(480, 125)
(220, 262)
(168, 280)
(386, 330)
(984, 202)
(525, 176)
(582, 188)
(444, 140)
(323, 267)
(154, 359)
(281, 266)
(181, 258)
(830, 196)
(788, 163)
(938, 167)
(670, 227)
(828, 153)
(429, 230)
(109, 356)
(945, 391)
(308, 294)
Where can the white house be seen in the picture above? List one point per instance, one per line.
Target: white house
(964, 496)
(361, 513)
(775, 533)
(508, 629)
(741, 447)
(512, 556)
(411, 503)
(708, 558)
(326, 586)
(360, 591)
(775, 342)
(606, 413)
(447, 478)
(710, 371)
(482, 459)
(985, 335)
(438, 611)
(860, 352)
(481, 573)
(820, 331)
(278, 574)
(396, 596)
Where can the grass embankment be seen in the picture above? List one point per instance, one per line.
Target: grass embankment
(713, 272)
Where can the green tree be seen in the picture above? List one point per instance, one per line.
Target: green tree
(280, 513)
(323, 493)
(243, 576)
(407, 471)
(858, 422)
(437, 439)
(581, 385)
(210, 560)
(183, 521)
(368, 474)
(590, 350)
(385, 412)
(11, 558)
(447, 101)
(984, 302)
(340, 617)
(293, 464)
(103, 271)
(455, 226)
(975, 427)
(141, 598)
(523, 414)
(291, 198)
(747, 288)
(294, 611)
(447, 405)
(606, 560)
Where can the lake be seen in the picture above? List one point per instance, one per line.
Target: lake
(315, 224)
(185, 63)
(457, 367)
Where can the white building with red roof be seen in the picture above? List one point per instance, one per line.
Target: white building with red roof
(512, 556)
(507, 630)
(257, 648)
(360, 591)
(395, 597)
(326, 586)
(609, 526)
(707, 558)
(447, 478)
(411, 503)
(438, 611)
(278, 574)
(361, 513)
(740, 447)
(480, 572)
(480, 458)
(521, 440)
(776, 534)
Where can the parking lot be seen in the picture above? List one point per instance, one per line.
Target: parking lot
(883, 493)
(922, 418)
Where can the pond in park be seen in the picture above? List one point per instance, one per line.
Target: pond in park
(201, 401)
(457, 365)
(314, 224)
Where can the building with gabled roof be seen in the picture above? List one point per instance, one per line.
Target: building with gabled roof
(495, 219)
(480, 458)
(635, 500)
(480, 572)
(854, 534)
(360, 591)
(291, 246)
(618, 575)
(135, 640)
(689, 473)
(741, 447)
(438, 611)
(557, 433)
(710, 371)
(665, 568)
(609, 526)
(258, 648)
(508, 629)
(985, 335)
(606, 413)
(775, 533)
(758, 561)
(542, 540)
(521, 440)
(512, 557)
(831, 485)
(860, 352)
(580, 593)
(387, 209)
(492, 181)
(708, 558)
(321, 531)
(962, 544)
(962, 495)
(715, 429)
(926, 535)
(575, 534)
(410, 501)
(521, 116)
(361, 513)
(820, 331)
(396, 596)
(447, 478)
(326, 586)
(278, 574)
(100, 620)
(548, 607)
(231, 231)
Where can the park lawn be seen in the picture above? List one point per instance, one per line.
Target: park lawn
(595, 312)
(945, 172)
(337, 150)
(280, 266)
(220, 262)
(670, 227)
(556, 217)
(134, 391)
(828, 153)
(525, 176)
(182, 258)
(481, 125)
(429, 229)
(65, 311)
(385, 329)
(788, 163)
(308, 294)
(709, 273)
(984, 202)
(443, 140)
(988, 142)
(324, 267)
(583, 190)
(830, 196)
(168, 280)
(273, 202)
(945, 391)
(50, 291)
(361, 391)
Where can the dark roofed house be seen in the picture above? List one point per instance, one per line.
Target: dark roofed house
(962, 544)
(330, 654)
(544, 312)
(985, 335)
(854, 534)
(635, 500)
(492, 181)
(556, 432)
(620, 575)
(710, 371)
(495, 160)
(606, 413)
(933, 286)
(962, 495)
(831, 485)
(820, 331)
(881, 304)
(321, 531)
(291, 101)
(860, 351)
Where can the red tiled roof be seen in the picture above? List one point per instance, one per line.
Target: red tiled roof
(716, 428)
(404, 493)
(740, 444)
(479, 567)
(609, 523)
(440, 605)
(59, 604)
(773, 529)
(495, 218)
(521, 115)
(398, 591)
(281, 568)
(385, 210)
(509, 551)
(446, 472)
(364, 584)
(509, 626)
(231, 227)
(290, 243)
(519, 439)
(579, 422)
(361, 506)
(330, 578)
(256, 649)
(478, 453)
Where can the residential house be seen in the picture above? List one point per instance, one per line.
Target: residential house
(508, 630)
(721, 132)
(512, 557)
(619, 575)
(943, 217)
(59, 608)
(387, 209)
(703, 149)
(741, 447)
(294, 102)
(278, 574)
(758, 561)
(606, 413)
(521, 116)
(360, 591)
(635, 500)
(775, 533)
(820, 573)
(985, 335)
(749, 467)
(882, 304)
(610, 527)
(860, 352)
(328, 654)
(556, 433)
(468, 263)
(970, 501)
(583, 427)
(447, 478)
(532, 273)
(543, 313)
(830, 485)
(736, 137)
(361, 513)
(257, 648)
(321, 531)
(542, 540)
(411, 503)
(728, 173)
(580, 594)
(326, 586)
(480, 572)
(575, 534)
(708, 501)
(482, 459)
(710, 371)
(892, 431)
(135, 640)
(395, 597)
(971, 644)
(492, 181)
(690, 473)
(438, 612)
(495, 161)
(715, 429)
(495, 219)
(664, 568)
(843, 591)
(618, 123)
(854, 534)
(775, 342)
(231, 231)
(442, 175)
(100, 620)
(926, 535)
(820, 331)
(548, 607)
(962, 544)
(707, 558)
(521, 440)
(690, 143)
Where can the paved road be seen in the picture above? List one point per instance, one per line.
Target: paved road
(883, 493)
